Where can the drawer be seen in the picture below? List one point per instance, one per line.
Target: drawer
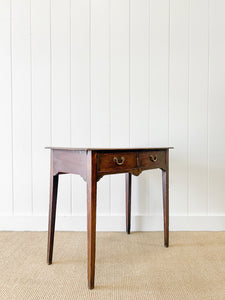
(117, 162)
(152, 159)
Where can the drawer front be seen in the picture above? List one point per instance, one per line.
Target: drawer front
(152, 159)
(117, 162)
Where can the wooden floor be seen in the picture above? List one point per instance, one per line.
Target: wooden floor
(127, 267)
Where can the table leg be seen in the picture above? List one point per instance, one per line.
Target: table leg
(52, 213)
(165, 180)
(128, 202)
(91, 215)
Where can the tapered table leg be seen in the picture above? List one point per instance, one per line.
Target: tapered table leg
(128, 202)
(91, 214)
(52, 213)
(165, 180)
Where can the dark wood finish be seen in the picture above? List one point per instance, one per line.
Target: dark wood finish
(52, 211)
(128, 202)
(91, 214)
(72, 162)
(107, 164)
(158, 159)
(94, 163)
(108, 149)
(165, 181)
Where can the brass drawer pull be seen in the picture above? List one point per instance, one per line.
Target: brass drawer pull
(119, 163)
(153, 158)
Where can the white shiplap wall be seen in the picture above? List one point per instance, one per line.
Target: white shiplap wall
(113, 73)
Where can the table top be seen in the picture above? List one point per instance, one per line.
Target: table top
(109, 149)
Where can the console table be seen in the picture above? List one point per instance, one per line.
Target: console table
(92, 164)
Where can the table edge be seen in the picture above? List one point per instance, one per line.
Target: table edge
(108, 149)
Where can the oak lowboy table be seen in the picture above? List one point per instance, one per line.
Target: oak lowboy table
(92, 164)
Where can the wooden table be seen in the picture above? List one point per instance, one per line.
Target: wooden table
(92, 164)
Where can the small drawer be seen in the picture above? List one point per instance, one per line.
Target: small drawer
(152, 159)
(117, 162)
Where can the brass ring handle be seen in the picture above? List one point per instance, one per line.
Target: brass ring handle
(119, 163)
(153, 158)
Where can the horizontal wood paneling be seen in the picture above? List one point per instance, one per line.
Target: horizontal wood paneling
(113, 73)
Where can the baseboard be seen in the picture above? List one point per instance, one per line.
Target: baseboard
(113, 223)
